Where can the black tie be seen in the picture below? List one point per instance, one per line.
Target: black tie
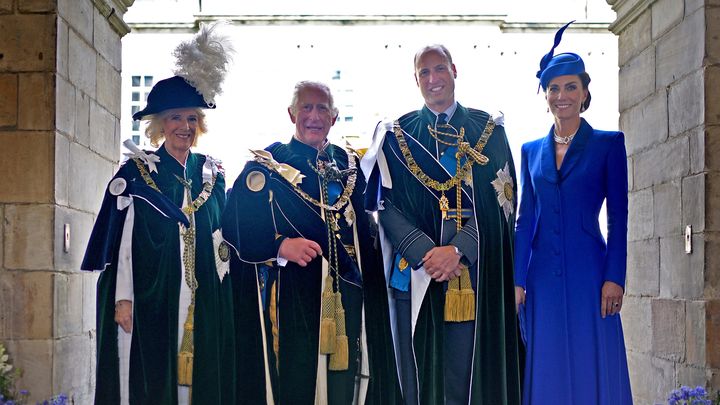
(441, 121)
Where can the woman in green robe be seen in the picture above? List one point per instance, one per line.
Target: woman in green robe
(164, 304)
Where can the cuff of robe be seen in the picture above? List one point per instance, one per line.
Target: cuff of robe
(468, 246)
(281, 261)
(416, 250)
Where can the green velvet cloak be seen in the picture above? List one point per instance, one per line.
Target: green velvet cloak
(495, 377)
(250, 223)
(156, 270)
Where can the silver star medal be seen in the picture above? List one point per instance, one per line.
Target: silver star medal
(349, 214)
(505, 190)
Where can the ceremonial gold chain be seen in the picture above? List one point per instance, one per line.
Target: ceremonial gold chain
(344, 197)
(435, 134)
(145, 175)
(472, 155)
(195, 204)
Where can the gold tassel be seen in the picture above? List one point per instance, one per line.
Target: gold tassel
(328, 325)
(185, 367)
(339, 359)
(185, 356)
(452, 301)
(274, 322)
(467, 296)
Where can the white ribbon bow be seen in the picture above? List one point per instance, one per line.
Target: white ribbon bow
(137, 153)
(211, 168)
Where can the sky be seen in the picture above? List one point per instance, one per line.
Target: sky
(369, 67)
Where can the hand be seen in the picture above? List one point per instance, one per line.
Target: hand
(123, 315)
(299, 250)
(442, 263)
(519, 297)
(612, 296)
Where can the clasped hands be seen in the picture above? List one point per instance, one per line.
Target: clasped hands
(442, 263)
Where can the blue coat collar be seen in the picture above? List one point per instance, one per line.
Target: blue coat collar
(573, 155)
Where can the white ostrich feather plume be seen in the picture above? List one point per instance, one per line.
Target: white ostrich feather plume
(203, 61)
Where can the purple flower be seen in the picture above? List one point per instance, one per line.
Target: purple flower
(700, 391)
(685, 390)
(675, 396)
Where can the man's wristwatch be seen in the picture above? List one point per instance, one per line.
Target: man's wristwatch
(457, 251)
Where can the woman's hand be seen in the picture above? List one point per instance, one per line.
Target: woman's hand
(299, 250)
(123, 315)
(612, 296)
(519, 298)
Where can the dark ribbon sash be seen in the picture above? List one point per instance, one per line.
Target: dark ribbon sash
(302, 215)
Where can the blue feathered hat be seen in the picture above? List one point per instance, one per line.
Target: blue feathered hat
(559, 65)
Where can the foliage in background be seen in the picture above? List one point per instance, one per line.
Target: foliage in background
(9, 395)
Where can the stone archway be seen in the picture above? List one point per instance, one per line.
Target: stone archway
(60, 92)
(59, 127)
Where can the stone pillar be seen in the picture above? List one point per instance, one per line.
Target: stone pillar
(59, 131)
(669, 56)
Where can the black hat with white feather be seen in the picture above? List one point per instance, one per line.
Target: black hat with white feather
(201, 66)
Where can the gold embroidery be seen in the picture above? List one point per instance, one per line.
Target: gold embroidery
(460, 297)
(344, 197)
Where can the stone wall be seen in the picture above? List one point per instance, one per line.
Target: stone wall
(670, 111)
(59, 131)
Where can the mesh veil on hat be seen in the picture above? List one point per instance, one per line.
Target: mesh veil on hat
(201, 65)
(552, 66)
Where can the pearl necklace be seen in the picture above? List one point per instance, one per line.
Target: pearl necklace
(563, 140)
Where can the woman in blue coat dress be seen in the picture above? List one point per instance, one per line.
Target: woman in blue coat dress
(569, 280)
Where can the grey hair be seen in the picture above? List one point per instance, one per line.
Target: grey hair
(441, 49)
(308, 84)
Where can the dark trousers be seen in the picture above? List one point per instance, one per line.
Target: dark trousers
(457, 356)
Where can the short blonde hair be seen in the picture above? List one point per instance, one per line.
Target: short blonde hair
(154, 130)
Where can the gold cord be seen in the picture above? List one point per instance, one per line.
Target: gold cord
(344, 197)
(187, 346)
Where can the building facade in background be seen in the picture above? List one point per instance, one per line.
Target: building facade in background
(71, 74)
(364, 52)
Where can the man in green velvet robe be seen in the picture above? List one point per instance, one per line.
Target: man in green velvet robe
(305, 271)
(442, 181)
